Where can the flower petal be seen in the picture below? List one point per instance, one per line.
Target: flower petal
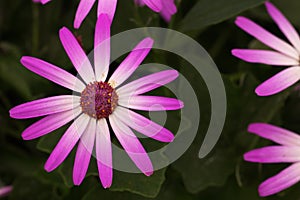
(83, 10)
(84, 151)
(281, 181)
(45, 1)
(279, 82)
(77, 55)
(274, 154)
(147, 83)
(50, 123)
(151, 103)
(102, 47)
(266, 37)
(45, 106)
(67, 142)
(275, 134)
(285, 26)
(264, 57)
(4, 191)
(52, 73)
(143, 125)
(155, 5)
(132, 145)
(169, 9)
(108, 7)
(132, 61)
(104, 153)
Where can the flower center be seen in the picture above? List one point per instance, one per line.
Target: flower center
(98, 100)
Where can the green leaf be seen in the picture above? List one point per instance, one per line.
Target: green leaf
(244, 107)
(207, 12)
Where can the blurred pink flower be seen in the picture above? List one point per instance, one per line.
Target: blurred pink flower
(4, 191)
(98, 102)
(166, 8)
(287, 152)
(285, 54)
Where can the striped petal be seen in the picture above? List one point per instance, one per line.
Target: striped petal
(132, 145)
(84, 151)
(151, 103)
(82, 11)
(104, 153)
(133, 60)
(52, 73)
(45, 106)
(281, 181)
(67, 142)
(285, 26)
(169, 9)
(279, 82)
(274, 154)
(77, 55)
(264, 57)
(147, 83)
(102, 47)
(143, 125)
(155, 5)
(266, 37)
(275, 134)
(108, 7)
(49, 124)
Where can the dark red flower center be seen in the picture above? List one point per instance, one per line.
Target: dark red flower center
(98, 100)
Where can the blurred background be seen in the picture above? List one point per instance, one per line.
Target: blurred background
(32, 29)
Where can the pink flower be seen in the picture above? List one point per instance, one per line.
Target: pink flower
(98, 101)
(285, 54)
(4, 191)
(166, 8)
(287, 152)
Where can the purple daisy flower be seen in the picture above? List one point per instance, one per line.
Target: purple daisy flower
(287, 152)
(98, 102)
(4, 191)
(166, 8)
(285, 54)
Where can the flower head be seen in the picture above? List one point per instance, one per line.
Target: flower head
(98, 102)
(283, 53)
(288, 151)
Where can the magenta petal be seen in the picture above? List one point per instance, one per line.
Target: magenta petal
(132, 145)
(45, 1)
(82, 11)
(275, 134)
(132, 61)
(279, 82)
(151, 103)
(143, 125)
(84, 151)
(4, 191)
(169, 9)
(108, 7)
(281, 181)
(50, 123)
(155, 5)
(45, 106)
(53, 73)
(104, 153)
(147, 83)
(285, 26)
(274, 154)
(264, 57)
(102, 47)
(77, 55)
(67, 142)
(266, 37)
